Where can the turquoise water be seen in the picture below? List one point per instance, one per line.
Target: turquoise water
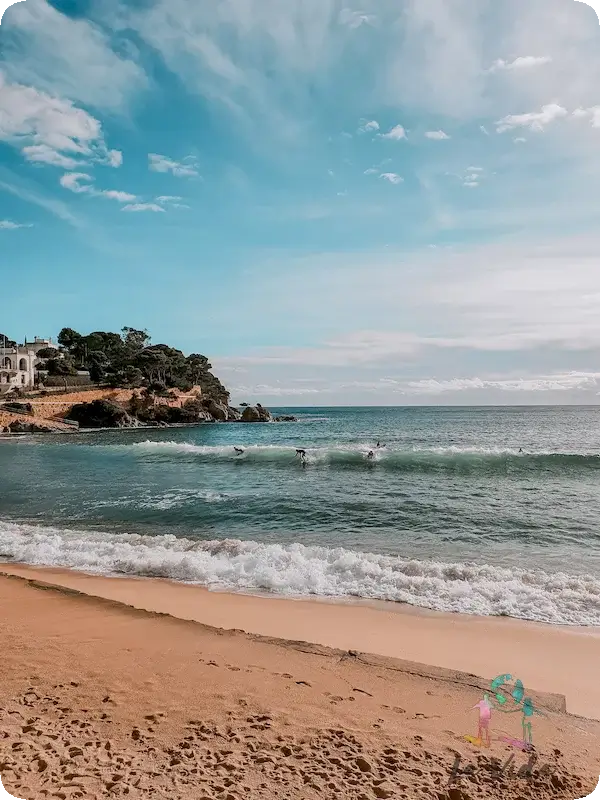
(449, 515)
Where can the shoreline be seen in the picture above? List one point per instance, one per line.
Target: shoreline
(548, 658)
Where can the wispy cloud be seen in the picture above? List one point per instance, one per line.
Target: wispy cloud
(181, 169)
(437, 136)
(559, 382)
(115, 158)
(396, 133)
(392, 177)
(521, 63)
(591, 114)
(82, 183)
(68, 56)
(534, 120)
(49, 204)
(49, 129)
(355, 19)
(120, 197)
(136, 207)
(78, 182)
(8, 225)
(368, 126)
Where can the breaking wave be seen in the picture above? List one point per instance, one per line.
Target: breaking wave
(435, 459)
(297, 570)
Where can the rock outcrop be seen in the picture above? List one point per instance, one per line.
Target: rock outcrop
(218, 411)
(256, 414)
(20, 426)
(102, 414)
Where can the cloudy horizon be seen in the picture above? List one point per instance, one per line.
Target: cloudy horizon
(379, 204)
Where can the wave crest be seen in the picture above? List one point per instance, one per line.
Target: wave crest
(299, 570)
(434, 459)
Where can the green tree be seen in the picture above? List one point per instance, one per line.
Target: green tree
(69, 339)
(47, 352)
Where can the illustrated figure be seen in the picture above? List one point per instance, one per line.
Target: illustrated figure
(485, 717)
(507, 696)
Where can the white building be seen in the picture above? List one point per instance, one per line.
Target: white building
(17, 364)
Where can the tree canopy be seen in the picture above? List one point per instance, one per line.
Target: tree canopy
(129, 359)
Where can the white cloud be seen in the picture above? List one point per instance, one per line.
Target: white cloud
(523, 62)
(372, 171)
(120, 197)
(519, 140)
(534, 120)
(68, 56)
(560, 382)
(78, 182)
(355, 19)
(7, 225)
(392, 177)
(396, 133)
(181, 169)
(115, 158)
(369, 126)
(143, 207)
(82, 183)
(171, 201)
(266, 390)
(44, 154)
(48, 129)
(591, 114)
(438, 136)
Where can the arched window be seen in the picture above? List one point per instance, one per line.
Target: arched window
(7, 363)
(23, 365)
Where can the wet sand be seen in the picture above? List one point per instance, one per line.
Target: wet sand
(549, 658)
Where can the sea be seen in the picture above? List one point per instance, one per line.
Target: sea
(485, 511)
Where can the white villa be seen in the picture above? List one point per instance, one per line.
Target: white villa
(17, 364)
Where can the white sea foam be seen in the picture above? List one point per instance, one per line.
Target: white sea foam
(174, 498)
(297, 570)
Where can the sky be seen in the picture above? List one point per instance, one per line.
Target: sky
(392, 202)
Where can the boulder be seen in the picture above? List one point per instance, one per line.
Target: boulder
(250, 414)
(217, 411)
(286, 418)
(233, 415)
(256, 414)
(19, 426)
(102, 414)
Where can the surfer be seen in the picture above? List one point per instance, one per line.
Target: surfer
(302, 454)
(239, 450)
(520, 449)
(370, 455)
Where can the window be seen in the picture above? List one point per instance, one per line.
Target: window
(23, 365)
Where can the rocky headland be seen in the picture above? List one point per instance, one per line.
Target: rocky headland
(132, 384)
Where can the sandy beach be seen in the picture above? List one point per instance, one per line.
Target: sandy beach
(143, 689)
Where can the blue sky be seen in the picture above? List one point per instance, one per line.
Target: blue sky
(388, 202)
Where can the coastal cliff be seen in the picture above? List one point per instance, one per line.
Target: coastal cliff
(136, 384)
